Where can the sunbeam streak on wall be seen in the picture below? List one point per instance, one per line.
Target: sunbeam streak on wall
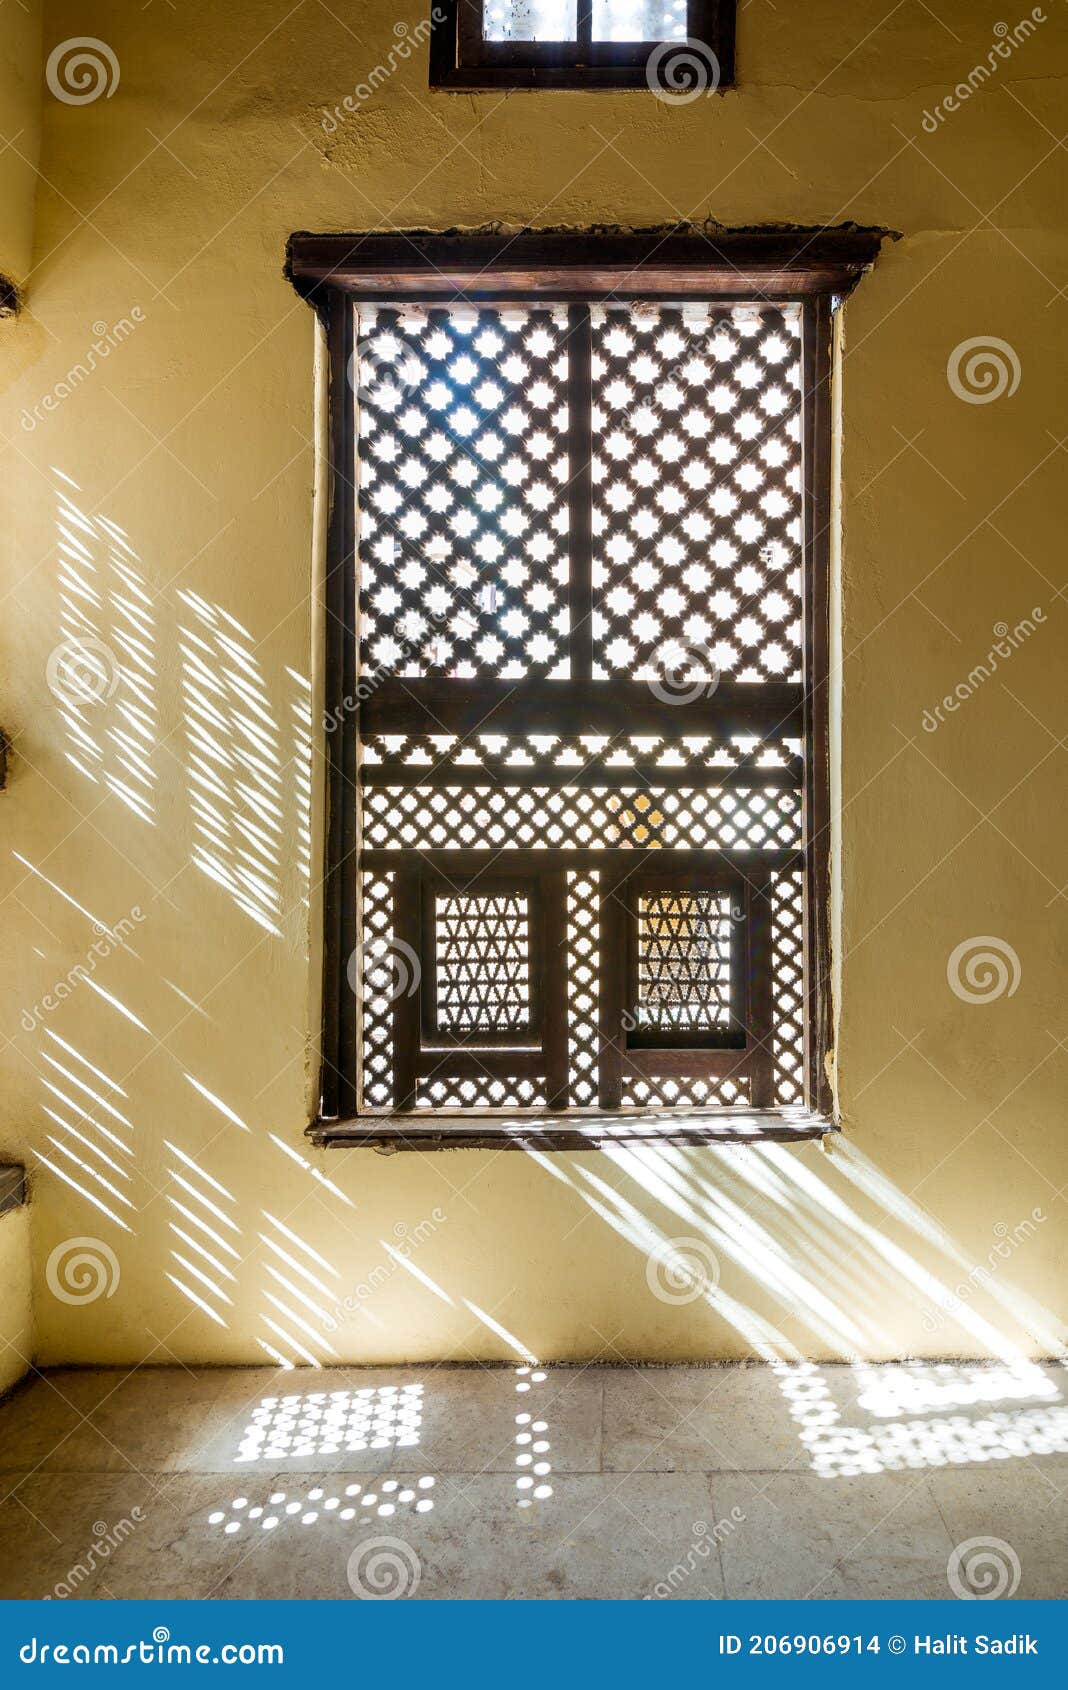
(103, 671)
(234, 760)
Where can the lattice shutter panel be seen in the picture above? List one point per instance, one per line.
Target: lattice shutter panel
(463, 490)
(697, 492)
(482, 956)
(684, 946)
(581, 501)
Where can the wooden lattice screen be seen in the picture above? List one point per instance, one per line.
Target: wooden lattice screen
(579, 830)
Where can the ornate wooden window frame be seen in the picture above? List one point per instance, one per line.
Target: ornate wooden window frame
(813, 268)
(461, 59)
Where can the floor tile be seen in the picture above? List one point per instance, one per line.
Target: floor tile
(798, 1537)
(670, 1419)
(101, 1535)
(595, 1536)
(39, 1419)
(497, 1419)
(149, 1420)
(351, 1419)
(1010, 1521)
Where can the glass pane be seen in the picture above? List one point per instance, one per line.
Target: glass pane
(639, 20)
(530, 20)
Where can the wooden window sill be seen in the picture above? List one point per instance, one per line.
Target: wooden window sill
(571, 1130)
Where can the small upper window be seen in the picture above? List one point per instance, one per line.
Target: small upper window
(678, 49)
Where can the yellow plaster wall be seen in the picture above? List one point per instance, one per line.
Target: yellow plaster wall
(16, 1304)
(168, 495)
(20, 99)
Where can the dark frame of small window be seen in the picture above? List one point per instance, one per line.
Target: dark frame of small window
(461, 58)
(818, 267)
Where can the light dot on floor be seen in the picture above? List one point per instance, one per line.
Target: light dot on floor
(240, 1502)
(352, 1490)
(292, 1507)
(347, 1514)
(424, 1506)
(314, 1495)
(406, 1496)
(310, 1518)
(254, 1513)
(543, 1491)
(425, 1483)
(233, 1526)
(270, 1522)
(213, 1519)
(542, 1467)
(387, 1508)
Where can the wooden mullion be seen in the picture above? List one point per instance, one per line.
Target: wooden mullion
(818, 1019)
(580, 491)
(612, 982)
(760, 1006)
(721, 1062)
(553, 985)
(560, 778)
(439, 705)
(339, 1091)
(408, 935)
(624, 860)
(477, 1062)
(584, 23)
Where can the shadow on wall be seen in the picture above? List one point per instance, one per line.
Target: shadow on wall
(798, 1253)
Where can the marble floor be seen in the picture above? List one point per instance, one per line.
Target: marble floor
(679, 1483)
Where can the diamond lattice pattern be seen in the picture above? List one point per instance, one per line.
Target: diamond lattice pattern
(697, 492)
(482, 963)
(463, 474)
(684, 943)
